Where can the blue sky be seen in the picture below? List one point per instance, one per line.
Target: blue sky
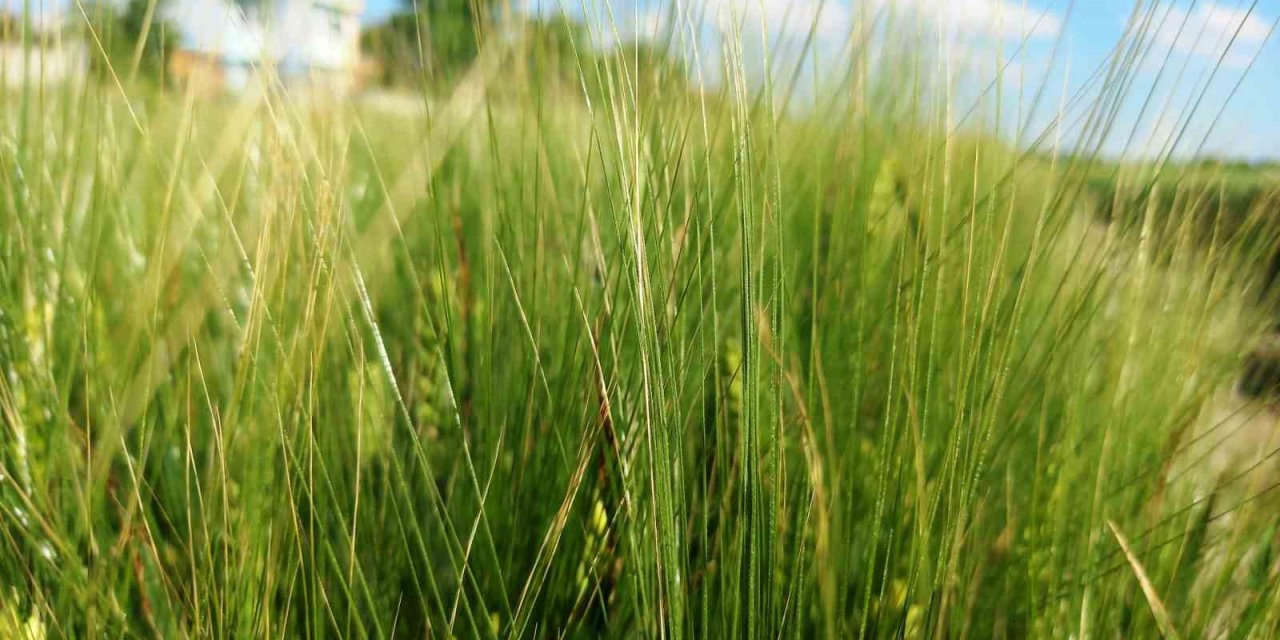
(1192, 36)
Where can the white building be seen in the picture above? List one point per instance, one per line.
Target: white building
(49, 64)
(307, 43)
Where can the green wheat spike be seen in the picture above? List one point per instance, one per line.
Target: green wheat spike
(430, 396)
(732, 385)
(887, 191)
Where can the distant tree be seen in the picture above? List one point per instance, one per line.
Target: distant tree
(551, 43)
(559, 49)
(12, 30)
(131, 35)
(431, 39)
(451, 32)
(394, 44)
(151, 37)
(650, 64)
(434, 40)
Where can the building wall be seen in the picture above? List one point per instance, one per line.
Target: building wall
(215, 28)
(51, 64)
(308, 43)
(318, 35)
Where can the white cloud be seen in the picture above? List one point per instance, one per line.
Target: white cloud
(834, 18)
(991, 18)
(1207, 30)
(826, 18)
(831, 20)
(652, 25)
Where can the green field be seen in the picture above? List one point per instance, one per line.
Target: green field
(589, 352)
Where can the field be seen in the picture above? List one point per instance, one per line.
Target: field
(602, 354)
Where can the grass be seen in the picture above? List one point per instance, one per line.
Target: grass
(621, 359)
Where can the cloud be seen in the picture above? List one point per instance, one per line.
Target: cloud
(791, 18)
(989, 18)
(834, 18)
(828, 20)
(1207, 32)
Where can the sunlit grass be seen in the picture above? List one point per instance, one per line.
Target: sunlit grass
(623, 358)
